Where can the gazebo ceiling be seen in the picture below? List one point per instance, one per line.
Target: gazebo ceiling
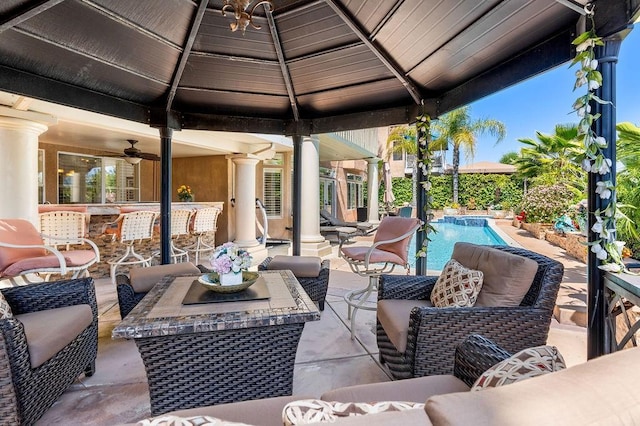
(316, 66)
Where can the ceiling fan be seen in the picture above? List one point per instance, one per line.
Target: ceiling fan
(133, 155)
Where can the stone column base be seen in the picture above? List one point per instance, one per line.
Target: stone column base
(320, 249)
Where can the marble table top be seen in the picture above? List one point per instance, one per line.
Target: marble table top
(161, 312)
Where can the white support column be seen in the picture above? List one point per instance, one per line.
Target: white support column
(19, 171)
(312, 243)
(373, 185)
(245, 206)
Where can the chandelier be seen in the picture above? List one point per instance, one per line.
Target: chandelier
(243, 17)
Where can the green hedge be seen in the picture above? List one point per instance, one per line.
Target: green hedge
(480, 188)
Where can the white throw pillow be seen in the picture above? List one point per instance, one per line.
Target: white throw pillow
(307, 411)
(457, 286)
(527, 363)
(169, 420)
(5, 309)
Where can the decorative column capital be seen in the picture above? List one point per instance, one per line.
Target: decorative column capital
(243, 159)
(20, 124)
(373, 160)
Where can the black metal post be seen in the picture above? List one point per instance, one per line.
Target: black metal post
(165, 194)
(597, 333)
(296, 199)
(421, 201)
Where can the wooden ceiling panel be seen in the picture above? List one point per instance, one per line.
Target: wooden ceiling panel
(338, 68)
(490, 41)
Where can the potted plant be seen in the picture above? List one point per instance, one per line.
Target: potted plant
(185, 194)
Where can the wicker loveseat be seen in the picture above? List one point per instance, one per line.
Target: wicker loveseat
(48, 340)
(431, 334)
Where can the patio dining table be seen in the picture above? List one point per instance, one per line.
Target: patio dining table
(213, 353)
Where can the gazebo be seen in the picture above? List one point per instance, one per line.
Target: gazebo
(295, 67)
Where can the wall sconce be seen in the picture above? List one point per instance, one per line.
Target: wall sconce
(133, 160)
(243, 17)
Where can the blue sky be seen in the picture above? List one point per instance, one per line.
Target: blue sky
(538, 104)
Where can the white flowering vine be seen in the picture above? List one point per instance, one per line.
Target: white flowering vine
(594, 160)
(423, 127)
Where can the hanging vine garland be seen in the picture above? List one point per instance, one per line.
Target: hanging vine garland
(593, 160)
(423, 127)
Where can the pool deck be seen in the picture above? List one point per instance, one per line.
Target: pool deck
(327, 358)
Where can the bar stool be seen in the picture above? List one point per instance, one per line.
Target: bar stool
(204, 223)
(133, 227)
(180, 222)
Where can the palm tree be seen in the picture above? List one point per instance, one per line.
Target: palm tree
(553, 158)
(403, 139)
(628, 183)
(459, 130)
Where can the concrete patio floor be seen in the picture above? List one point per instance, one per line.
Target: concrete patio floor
(327, 358)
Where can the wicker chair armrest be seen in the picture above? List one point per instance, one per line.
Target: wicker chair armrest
(204, 269)
(50, 295)
(410, 287)
(122, 279)
(475, 355)
(265, 264)
(434, 333)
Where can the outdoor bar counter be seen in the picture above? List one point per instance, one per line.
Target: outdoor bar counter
(102, 214)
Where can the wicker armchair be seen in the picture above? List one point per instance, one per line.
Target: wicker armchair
(316, 287)
(27, 390)
(132, 288)
(433, 333)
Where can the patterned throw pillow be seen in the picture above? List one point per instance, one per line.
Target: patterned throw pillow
(527, 363)
(5, 309)
(187, 421)
(307, 411)
(456, 286)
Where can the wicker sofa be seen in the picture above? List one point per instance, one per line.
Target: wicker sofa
(602, 391)
(48, 340)
(416, 339)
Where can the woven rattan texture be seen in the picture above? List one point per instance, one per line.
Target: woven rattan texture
(37, 389)
(127, 297)
(199, 369)
(8, 402)
(435, 332)
(316, 287)
(474, 356)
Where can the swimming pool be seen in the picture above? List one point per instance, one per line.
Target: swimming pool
(451, 230)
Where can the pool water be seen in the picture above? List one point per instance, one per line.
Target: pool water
(449, 232)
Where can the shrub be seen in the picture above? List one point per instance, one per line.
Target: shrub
(545, 203)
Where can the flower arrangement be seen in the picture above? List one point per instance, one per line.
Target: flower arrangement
(230, 258)
(185, 193)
